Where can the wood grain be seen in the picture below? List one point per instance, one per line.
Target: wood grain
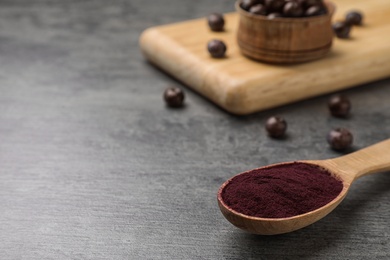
(285, 40)
(242, 86)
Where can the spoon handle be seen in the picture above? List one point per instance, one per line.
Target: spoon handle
(373, 159)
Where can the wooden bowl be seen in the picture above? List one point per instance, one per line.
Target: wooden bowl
(285, 40)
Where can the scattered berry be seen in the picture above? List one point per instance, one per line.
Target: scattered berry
(174, 97)
(339, 106)
(216, 22)
(341, 29)
(216, 48)
(354, 18)
(276, 126)
(340, 139)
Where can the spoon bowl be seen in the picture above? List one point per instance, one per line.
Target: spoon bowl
(347, 169)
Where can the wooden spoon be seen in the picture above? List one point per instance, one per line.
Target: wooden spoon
(347, 168)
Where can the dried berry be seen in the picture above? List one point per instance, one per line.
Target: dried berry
(174, 97)
(354, 18)
(258, 9)
(216, 22)
(308, 3)
(339, 106)
(216, 48)
(286, 8)
(276, 126)
(292, 9)
(274, 5)
(274, 15)
(341, 29)
(340, 139)
(247, 4)
(313, 10)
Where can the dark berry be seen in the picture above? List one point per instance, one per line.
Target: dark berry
(341, 29)
(339, 106)
(274, 15)
(313, 10)
(308, 3)
(216, 22)
(354, 18)
(276, 126)
(301, 2)
(174, 97)
(292, 9)
(258, 9)
(216, 48)
(340, 139)
(247, 4)
(274, 5)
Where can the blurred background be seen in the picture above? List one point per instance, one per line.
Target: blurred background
(93, 165)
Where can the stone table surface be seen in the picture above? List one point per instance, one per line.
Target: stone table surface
(93, 165)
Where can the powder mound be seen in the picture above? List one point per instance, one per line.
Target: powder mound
(281, 191)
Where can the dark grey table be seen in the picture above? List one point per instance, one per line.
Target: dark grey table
(94, 166)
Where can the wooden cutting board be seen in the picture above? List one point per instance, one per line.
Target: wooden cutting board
(243, 86)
